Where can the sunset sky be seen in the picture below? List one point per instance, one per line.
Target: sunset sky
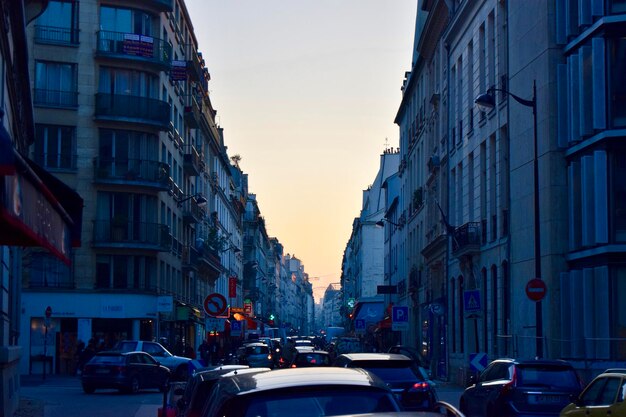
(307, 91)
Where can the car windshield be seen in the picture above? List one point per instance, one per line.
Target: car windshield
(553, 376)
(109, 359)
(318, 403)
(257, 350)
(390, 370)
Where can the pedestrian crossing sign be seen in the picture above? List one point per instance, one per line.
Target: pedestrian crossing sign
(471, 301)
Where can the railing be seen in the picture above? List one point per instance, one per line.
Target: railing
(195, 64)
(190, 257)
(192, 212)
(162, 5)
(142, 171)
(136, 47)
(466, 239)
(55, 98)
(56, 35)
(137, 234)
(56, 161)
(191, 161)
(133, 108)
(193, 111)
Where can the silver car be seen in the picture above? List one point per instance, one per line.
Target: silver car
(257, 355)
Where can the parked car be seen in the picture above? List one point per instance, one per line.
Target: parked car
(311, 358)
(256, 355)
(419, 359)
(305, 392)
(178, 365)
(512, 387)
(193, 398)
(400, 372)
(125, 371)
(604, 396)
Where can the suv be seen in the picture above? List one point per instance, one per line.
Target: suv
(511, 387)
(399, 372)
(178, 365)
(605, 395)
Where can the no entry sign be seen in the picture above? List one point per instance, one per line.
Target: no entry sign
(536, 289)
(215, 304)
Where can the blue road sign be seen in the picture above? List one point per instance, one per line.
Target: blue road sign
(359, 325)
(400, 314)
(471, 301)
(478, 361)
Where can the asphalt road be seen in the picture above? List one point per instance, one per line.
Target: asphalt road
(64, 397)
(59, 396)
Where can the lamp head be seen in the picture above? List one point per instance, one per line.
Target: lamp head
(201, 200)
(380, 224)
(485, 101)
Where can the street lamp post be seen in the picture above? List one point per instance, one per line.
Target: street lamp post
(487, 101)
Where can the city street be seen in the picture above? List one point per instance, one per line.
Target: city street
(64, 397)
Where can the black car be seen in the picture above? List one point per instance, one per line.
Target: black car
(311, 358)
(510, 387)
(305, 392)
(401, 374)
(193, 397)
(125, 371)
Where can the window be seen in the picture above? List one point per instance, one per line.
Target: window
(125, 21)
(618, 82)
(48, 271)
(121, 272)
(618, 194)
(55, 146)
(58, 24)
(128, 82)
(55, 84)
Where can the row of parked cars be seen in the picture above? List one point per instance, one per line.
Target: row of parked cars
(352, 383)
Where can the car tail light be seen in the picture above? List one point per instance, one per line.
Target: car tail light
(508, 387)
(293, 366)
(420, 386)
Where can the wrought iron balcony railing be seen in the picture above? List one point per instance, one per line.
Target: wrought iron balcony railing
(466, 239)
(131, 46)
(120, 232)
(134, 171)
(55, 98)
(56, 35)
(135, 109)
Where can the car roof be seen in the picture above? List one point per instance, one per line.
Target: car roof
(309, 351)
(210, 373)
(552, 362)
(299, 377)
(365, 356)
(255, 344)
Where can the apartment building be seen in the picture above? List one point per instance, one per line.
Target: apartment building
(123, 115)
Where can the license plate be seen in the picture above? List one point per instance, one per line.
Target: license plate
(545, 399)
(102, 371)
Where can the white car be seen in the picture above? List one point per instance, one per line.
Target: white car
(178, 365)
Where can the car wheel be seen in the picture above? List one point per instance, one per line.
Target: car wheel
(88, 389)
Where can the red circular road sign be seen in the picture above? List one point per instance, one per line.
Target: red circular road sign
(536, 289)
(215, 304)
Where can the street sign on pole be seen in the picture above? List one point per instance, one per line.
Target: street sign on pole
(478, 361)
(536, 289)
(471, 301)
(399, 318)
(215, 304)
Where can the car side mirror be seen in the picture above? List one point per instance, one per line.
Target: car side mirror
(472, 380)
(576, 400)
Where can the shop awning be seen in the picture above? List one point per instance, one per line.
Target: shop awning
(37, 209)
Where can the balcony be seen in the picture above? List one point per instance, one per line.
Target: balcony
(55, 98)
(57, 161)
(195, 63)
(161, 5)
(191, 161)
(193, 112)
(52, 35)
(132, 47)
(466, 239)
(138, 172)
(190, 258)
(125, 234)
(192, 212)
(210, 265)
(133, 109)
